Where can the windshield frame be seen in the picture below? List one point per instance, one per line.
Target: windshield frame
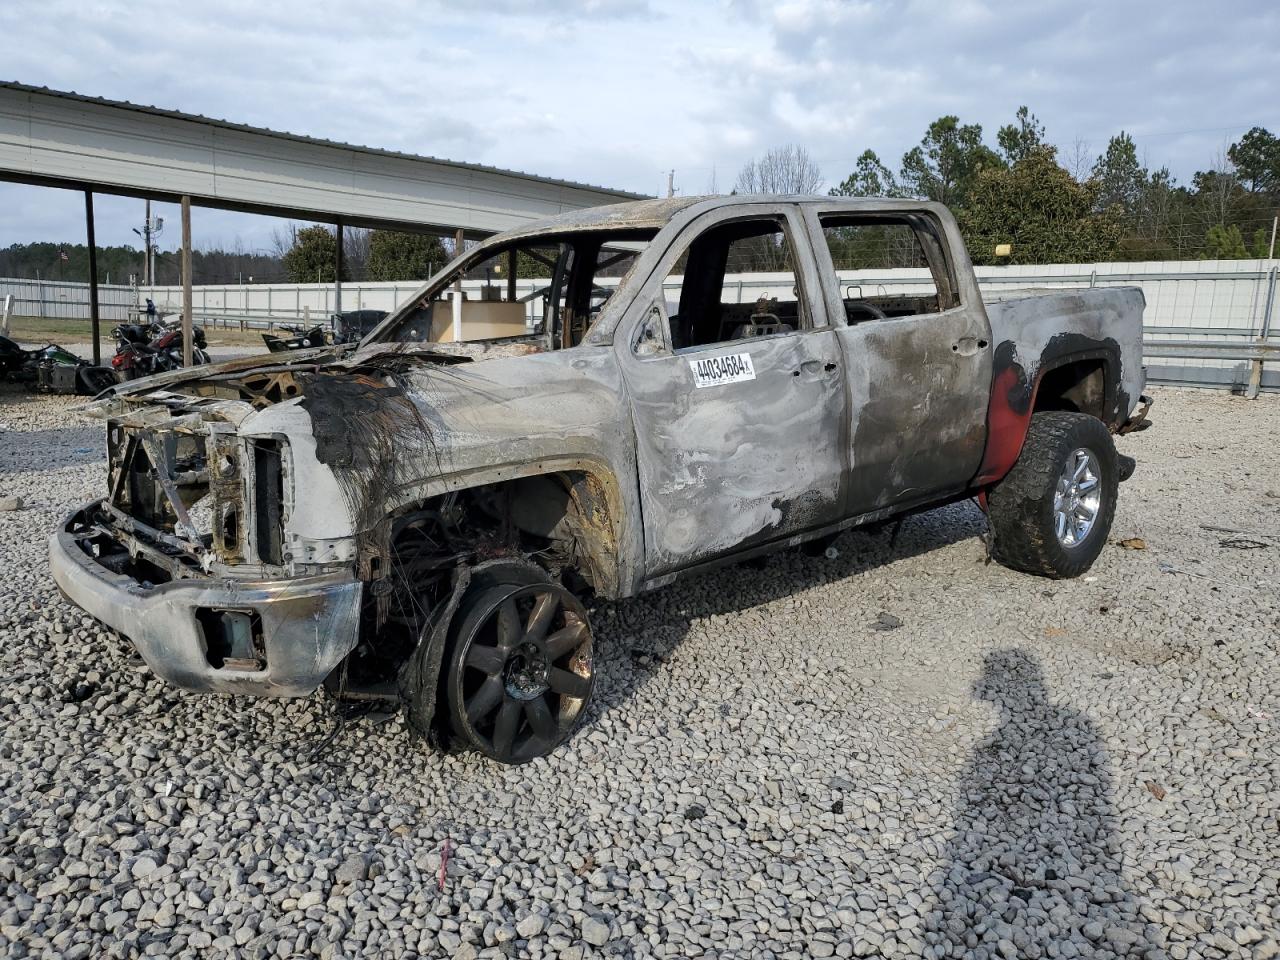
(638, 239)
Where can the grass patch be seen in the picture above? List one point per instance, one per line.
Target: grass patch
(38, 331)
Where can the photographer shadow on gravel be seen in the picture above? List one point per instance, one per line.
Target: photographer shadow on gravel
(1034, 868)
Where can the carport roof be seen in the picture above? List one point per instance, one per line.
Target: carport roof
(304, 138)
(63, 138)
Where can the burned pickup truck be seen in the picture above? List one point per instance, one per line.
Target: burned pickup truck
(693, 382)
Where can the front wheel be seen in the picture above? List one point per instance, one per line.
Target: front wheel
(518, 670)
(1051, 514)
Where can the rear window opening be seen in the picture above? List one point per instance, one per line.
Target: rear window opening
(868, 250)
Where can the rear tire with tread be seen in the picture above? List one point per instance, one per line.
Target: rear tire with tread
(1021, 506)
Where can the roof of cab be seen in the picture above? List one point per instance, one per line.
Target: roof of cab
(655, 214)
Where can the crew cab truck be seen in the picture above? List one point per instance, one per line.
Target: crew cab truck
(697, 381)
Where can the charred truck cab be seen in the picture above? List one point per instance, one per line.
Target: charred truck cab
(692, 382)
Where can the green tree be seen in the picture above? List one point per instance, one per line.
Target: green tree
(870, 178)
(1225, 243)
(1041, 210)
(1120, 178)
(1261, 246)
(404, 256)
(311, 257)
(946, 163)
(1017, 140)
(1256, 156)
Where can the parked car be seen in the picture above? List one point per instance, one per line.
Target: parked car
(421, 521)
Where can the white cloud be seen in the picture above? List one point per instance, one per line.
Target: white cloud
(616, 92)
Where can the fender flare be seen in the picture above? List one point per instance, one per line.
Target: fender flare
(1013, 401)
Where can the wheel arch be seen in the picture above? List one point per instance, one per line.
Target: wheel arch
(567, 498)
(1082, 380)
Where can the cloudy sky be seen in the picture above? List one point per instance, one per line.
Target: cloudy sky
(617, 92)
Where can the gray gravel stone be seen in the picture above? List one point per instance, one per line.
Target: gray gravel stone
(595, 930)
(971, 782)
(531, 926)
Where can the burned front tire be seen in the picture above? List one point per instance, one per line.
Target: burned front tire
(1051, 514)
(518, 666)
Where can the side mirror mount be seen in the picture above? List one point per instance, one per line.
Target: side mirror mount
(651, 338)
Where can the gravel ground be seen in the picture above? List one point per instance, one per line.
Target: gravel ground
(896, 752)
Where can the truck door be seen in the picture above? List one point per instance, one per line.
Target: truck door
(736, 387)
(916, 347)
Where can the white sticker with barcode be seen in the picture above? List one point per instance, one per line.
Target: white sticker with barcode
(716, 371)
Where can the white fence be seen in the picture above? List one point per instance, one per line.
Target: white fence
(1205, 320)
(65, 300)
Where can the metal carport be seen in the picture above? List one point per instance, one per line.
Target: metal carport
(58, 139)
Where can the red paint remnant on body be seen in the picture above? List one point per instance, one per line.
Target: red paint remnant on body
(1006, 427)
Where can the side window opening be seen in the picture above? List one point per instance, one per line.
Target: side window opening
(735, 281)
(868, 250)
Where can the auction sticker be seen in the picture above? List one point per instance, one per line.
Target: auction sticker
(714, 371)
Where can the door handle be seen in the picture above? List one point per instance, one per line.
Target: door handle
(968, 346)
(813, 367)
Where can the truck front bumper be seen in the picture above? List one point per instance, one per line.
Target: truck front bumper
(275, 638)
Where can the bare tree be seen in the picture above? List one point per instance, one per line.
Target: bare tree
(283, 239)
(713, 187)
(784, 170)
(1077, 160)
(1217, 189)
(355, 251)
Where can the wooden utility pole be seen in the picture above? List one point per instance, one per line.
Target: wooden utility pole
(148, 268)
(337, 273)
(188, 335)
(93, 276)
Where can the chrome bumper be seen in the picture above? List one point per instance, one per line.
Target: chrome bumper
(300, 629)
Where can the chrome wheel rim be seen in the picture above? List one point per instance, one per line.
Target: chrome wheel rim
(1078, 498)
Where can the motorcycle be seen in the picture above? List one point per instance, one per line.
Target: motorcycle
(52, 369)
(153, 348)
(301, 339)
(349, 327)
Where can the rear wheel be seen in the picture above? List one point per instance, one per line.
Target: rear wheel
(518, 669)
(1051, 514)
